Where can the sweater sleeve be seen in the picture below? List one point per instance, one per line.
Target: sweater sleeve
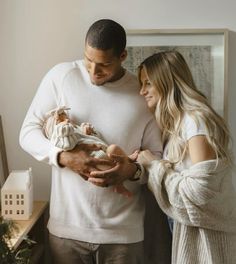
(151, 140)
(185, 195)
(32, 138)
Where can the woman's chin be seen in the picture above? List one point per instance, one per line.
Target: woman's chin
(152, 108)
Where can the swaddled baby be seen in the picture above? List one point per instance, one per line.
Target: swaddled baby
(65, 134)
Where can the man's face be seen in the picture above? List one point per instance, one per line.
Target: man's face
(102, 65)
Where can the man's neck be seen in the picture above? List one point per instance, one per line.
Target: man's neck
(119, 75)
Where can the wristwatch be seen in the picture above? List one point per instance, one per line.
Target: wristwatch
(138, 172)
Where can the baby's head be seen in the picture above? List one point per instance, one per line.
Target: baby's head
(53, 118)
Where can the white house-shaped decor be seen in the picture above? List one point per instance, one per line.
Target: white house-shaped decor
(17, 195)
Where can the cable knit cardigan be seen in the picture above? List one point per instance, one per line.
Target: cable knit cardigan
(201, 200)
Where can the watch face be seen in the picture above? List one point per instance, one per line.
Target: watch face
(137, 173)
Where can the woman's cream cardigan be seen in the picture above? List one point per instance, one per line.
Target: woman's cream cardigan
(201, 200)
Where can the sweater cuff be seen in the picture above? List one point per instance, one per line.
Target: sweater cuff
(154, 164)
(153, 170)
(53, 156)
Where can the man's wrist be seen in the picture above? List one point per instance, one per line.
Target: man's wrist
(136, 176)
(59, 159)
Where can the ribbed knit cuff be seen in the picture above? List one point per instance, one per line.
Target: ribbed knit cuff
(53, 156)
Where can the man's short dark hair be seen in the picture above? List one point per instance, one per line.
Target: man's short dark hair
(107, 34)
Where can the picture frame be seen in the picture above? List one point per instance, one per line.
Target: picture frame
(3, 157)
(205, 51)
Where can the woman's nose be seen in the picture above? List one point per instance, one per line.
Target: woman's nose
(142, 91)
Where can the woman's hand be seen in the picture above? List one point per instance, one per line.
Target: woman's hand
(145, 158)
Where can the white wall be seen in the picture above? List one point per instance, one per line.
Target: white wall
(35, 35)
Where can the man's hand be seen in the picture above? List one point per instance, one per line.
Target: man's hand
(124, 169)
(80, 161)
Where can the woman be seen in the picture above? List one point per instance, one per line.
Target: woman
(192, 184)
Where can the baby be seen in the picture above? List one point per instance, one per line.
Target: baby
(64, 134)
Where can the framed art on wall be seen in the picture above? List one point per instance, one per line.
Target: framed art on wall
(205, 50)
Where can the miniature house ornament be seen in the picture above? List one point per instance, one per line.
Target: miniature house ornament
(17, 195)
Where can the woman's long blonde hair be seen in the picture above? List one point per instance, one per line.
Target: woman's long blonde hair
(177, 94)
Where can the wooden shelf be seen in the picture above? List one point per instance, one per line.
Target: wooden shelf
(24, 226)
(35, 229)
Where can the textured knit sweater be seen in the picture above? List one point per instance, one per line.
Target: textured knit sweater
(78, 209)
(201, 200)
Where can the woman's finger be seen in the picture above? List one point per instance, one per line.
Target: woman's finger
(134, 155)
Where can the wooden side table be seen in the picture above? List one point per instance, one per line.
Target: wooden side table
(36, 229)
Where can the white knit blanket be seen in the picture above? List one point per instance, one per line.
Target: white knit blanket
(201, 196)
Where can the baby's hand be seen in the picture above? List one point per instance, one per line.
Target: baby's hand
(87, 129)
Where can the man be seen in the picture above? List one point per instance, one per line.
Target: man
(89, 223)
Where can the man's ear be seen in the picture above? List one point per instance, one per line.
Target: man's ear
(123, 55)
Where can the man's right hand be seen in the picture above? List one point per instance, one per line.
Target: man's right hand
(80, 161)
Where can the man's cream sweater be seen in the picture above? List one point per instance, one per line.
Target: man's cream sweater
(78, 209)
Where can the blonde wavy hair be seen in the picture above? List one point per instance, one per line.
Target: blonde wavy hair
(169, 73)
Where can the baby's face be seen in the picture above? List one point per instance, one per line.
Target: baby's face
(62, 117)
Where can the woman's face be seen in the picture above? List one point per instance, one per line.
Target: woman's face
(148, 90)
